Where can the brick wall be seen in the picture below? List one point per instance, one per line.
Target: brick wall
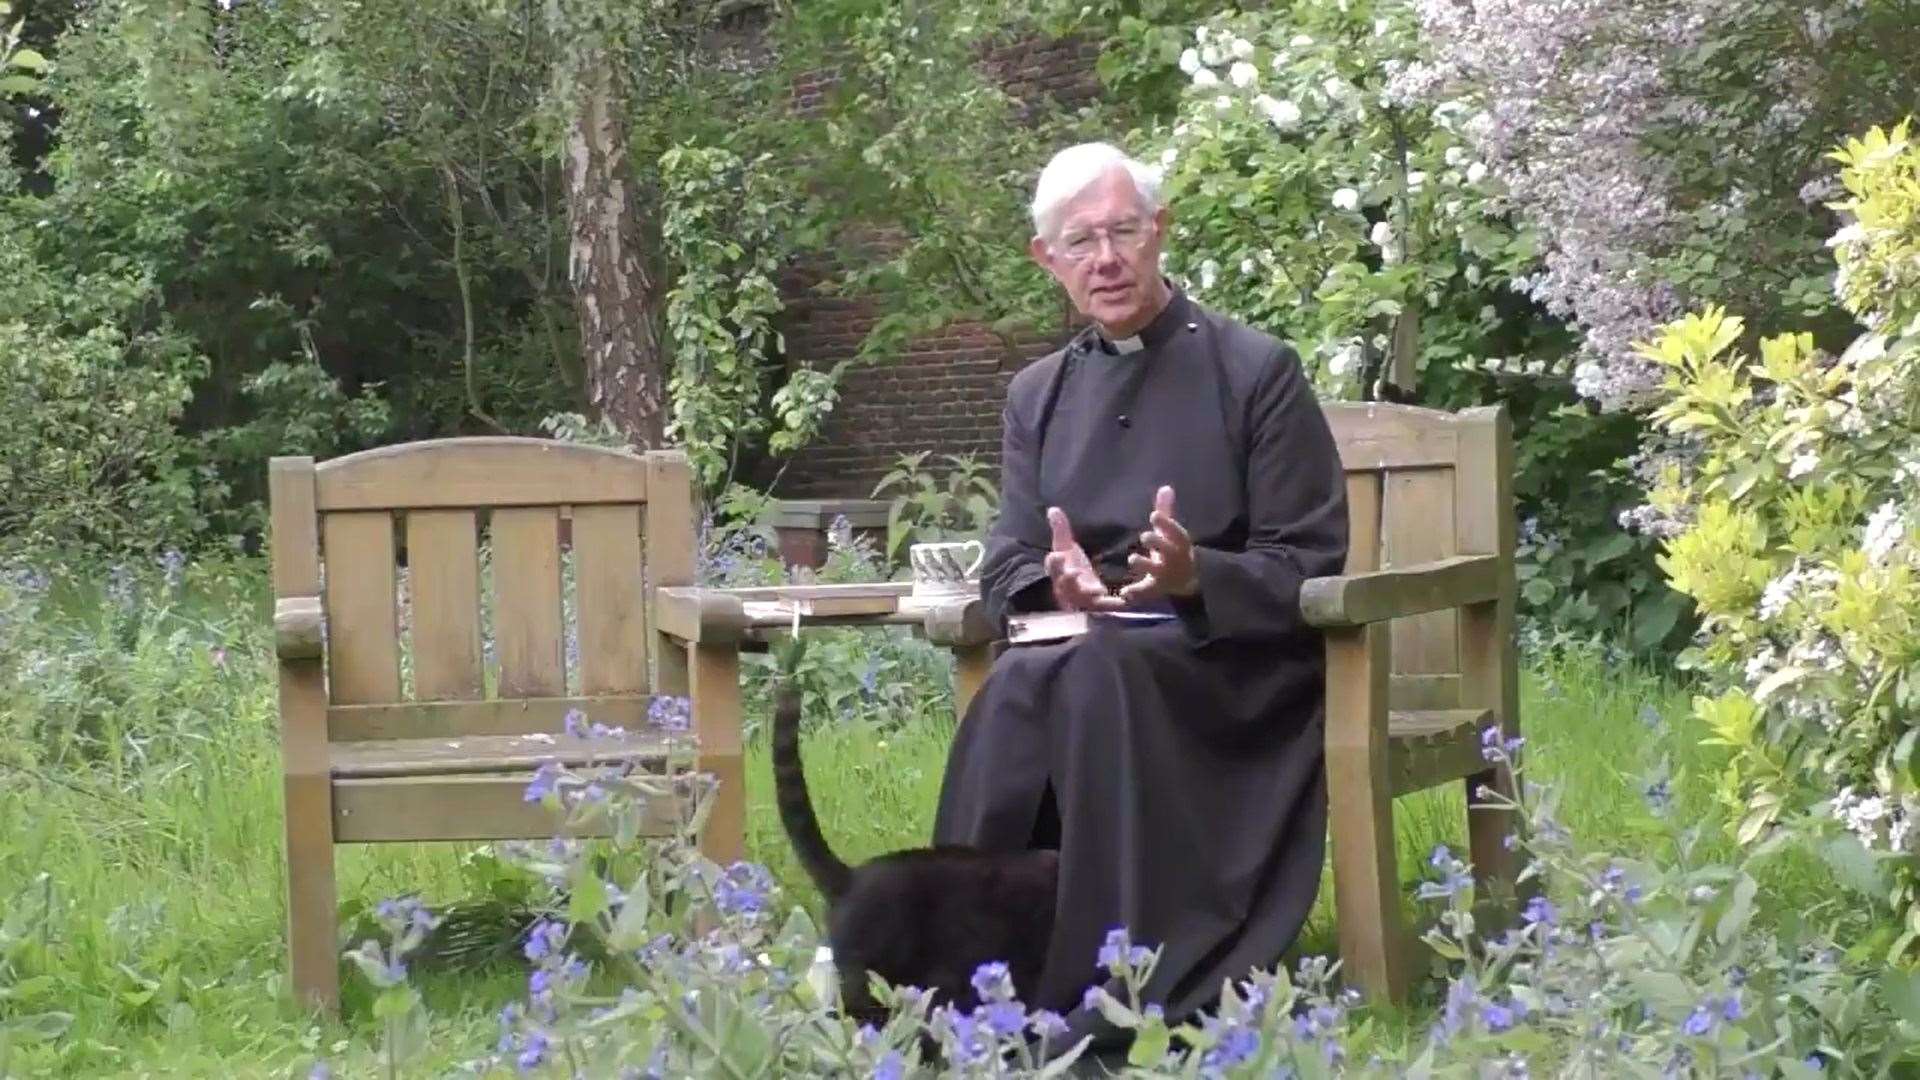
(945, 393)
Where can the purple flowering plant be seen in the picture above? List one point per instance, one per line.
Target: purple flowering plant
(1606, 963)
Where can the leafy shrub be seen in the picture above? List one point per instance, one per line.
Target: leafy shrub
(1794, 536)
(89, 452)
(926, 507)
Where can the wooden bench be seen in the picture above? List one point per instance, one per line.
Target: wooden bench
(1420, 654)
(1420, 658)
(365, 762)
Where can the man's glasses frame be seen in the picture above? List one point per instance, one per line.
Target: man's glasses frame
(1081, 244)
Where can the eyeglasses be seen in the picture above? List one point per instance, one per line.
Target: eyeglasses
(1079, 245)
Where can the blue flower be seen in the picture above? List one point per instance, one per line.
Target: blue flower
(1540, 910)
(1236, 1045)
(545, 780)
(993, 982)
(1441, 857)
(539, 982)
(1048, 1024)
(1498, 1018)
(544, 940)
(1005, 1018)
(743, 889)
(576, 723)
(535, 1052)
(1659, 796)
(671, 713)
(891, 1067)
(320, 1071)
(1698, 1022)
(1730, 1009)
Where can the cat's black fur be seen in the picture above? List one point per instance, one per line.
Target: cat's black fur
(925, 917)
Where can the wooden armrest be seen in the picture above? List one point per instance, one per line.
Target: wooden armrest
(696, 615)
(1380, 595)
(297, 622)
(959, 623)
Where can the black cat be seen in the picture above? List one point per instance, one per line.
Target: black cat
(925, 917)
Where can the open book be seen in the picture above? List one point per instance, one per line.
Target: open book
(1059, 625)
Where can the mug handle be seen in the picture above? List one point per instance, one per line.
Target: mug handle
(974, 567)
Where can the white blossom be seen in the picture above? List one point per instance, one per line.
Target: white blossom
(1242, 74)
(1346, 199)
(1242, 48)
(1222, 103)
(1205, 78)
(1209, 272)
(1346, 359)
(1212, 55)
(1246, 266)
(1168, 156)
(1416, 180)
(1885, 529)
(1284, 115)
(1300, 41)
(1476, 172)
(1190, 61)
(1803, 463)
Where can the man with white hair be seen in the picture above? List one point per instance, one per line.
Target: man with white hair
(1166, 461)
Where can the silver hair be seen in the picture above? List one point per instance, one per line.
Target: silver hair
(1076, 167)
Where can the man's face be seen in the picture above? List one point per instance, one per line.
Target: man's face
(1106, 252)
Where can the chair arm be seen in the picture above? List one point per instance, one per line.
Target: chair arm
(297, 627)
(1380, 595)
(960, 623)
(699, 616)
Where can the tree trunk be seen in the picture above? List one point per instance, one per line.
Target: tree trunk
(612, 294)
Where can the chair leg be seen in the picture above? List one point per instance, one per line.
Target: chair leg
(970, 666)
(1373, 947)
(312, 916)
(714, 675)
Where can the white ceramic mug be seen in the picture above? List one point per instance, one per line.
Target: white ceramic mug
(943, 568)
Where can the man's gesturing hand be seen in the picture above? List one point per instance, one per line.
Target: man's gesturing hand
(1166, 568)
(1075, 585)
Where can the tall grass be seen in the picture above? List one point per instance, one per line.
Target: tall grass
(139, 793)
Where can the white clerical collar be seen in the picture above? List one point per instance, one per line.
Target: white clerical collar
(1129, 344)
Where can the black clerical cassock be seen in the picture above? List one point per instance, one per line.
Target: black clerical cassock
(1177, 765)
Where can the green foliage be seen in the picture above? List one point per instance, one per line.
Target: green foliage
(925, 507)
(728, 222)
(929, 163)
(1795, 541)
(90, 455)
(20, 66)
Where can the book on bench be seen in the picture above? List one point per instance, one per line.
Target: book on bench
(1060, 625)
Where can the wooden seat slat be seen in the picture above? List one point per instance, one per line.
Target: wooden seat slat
(486, 754)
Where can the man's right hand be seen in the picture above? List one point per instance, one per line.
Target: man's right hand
(1076, 587)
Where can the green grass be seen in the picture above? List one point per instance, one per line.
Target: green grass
(156, 822)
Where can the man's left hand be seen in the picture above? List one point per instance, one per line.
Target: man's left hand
(1166, 568)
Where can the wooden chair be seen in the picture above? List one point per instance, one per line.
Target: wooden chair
(365, 762)
(1420, 657)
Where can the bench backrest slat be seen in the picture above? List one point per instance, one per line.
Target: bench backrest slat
(1417, 490)
(445, 565)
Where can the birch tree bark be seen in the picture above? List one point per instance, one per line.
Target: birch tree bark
(615, 299)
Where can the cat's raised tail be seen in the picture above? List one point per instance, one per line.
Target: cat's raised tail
(828, 872)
